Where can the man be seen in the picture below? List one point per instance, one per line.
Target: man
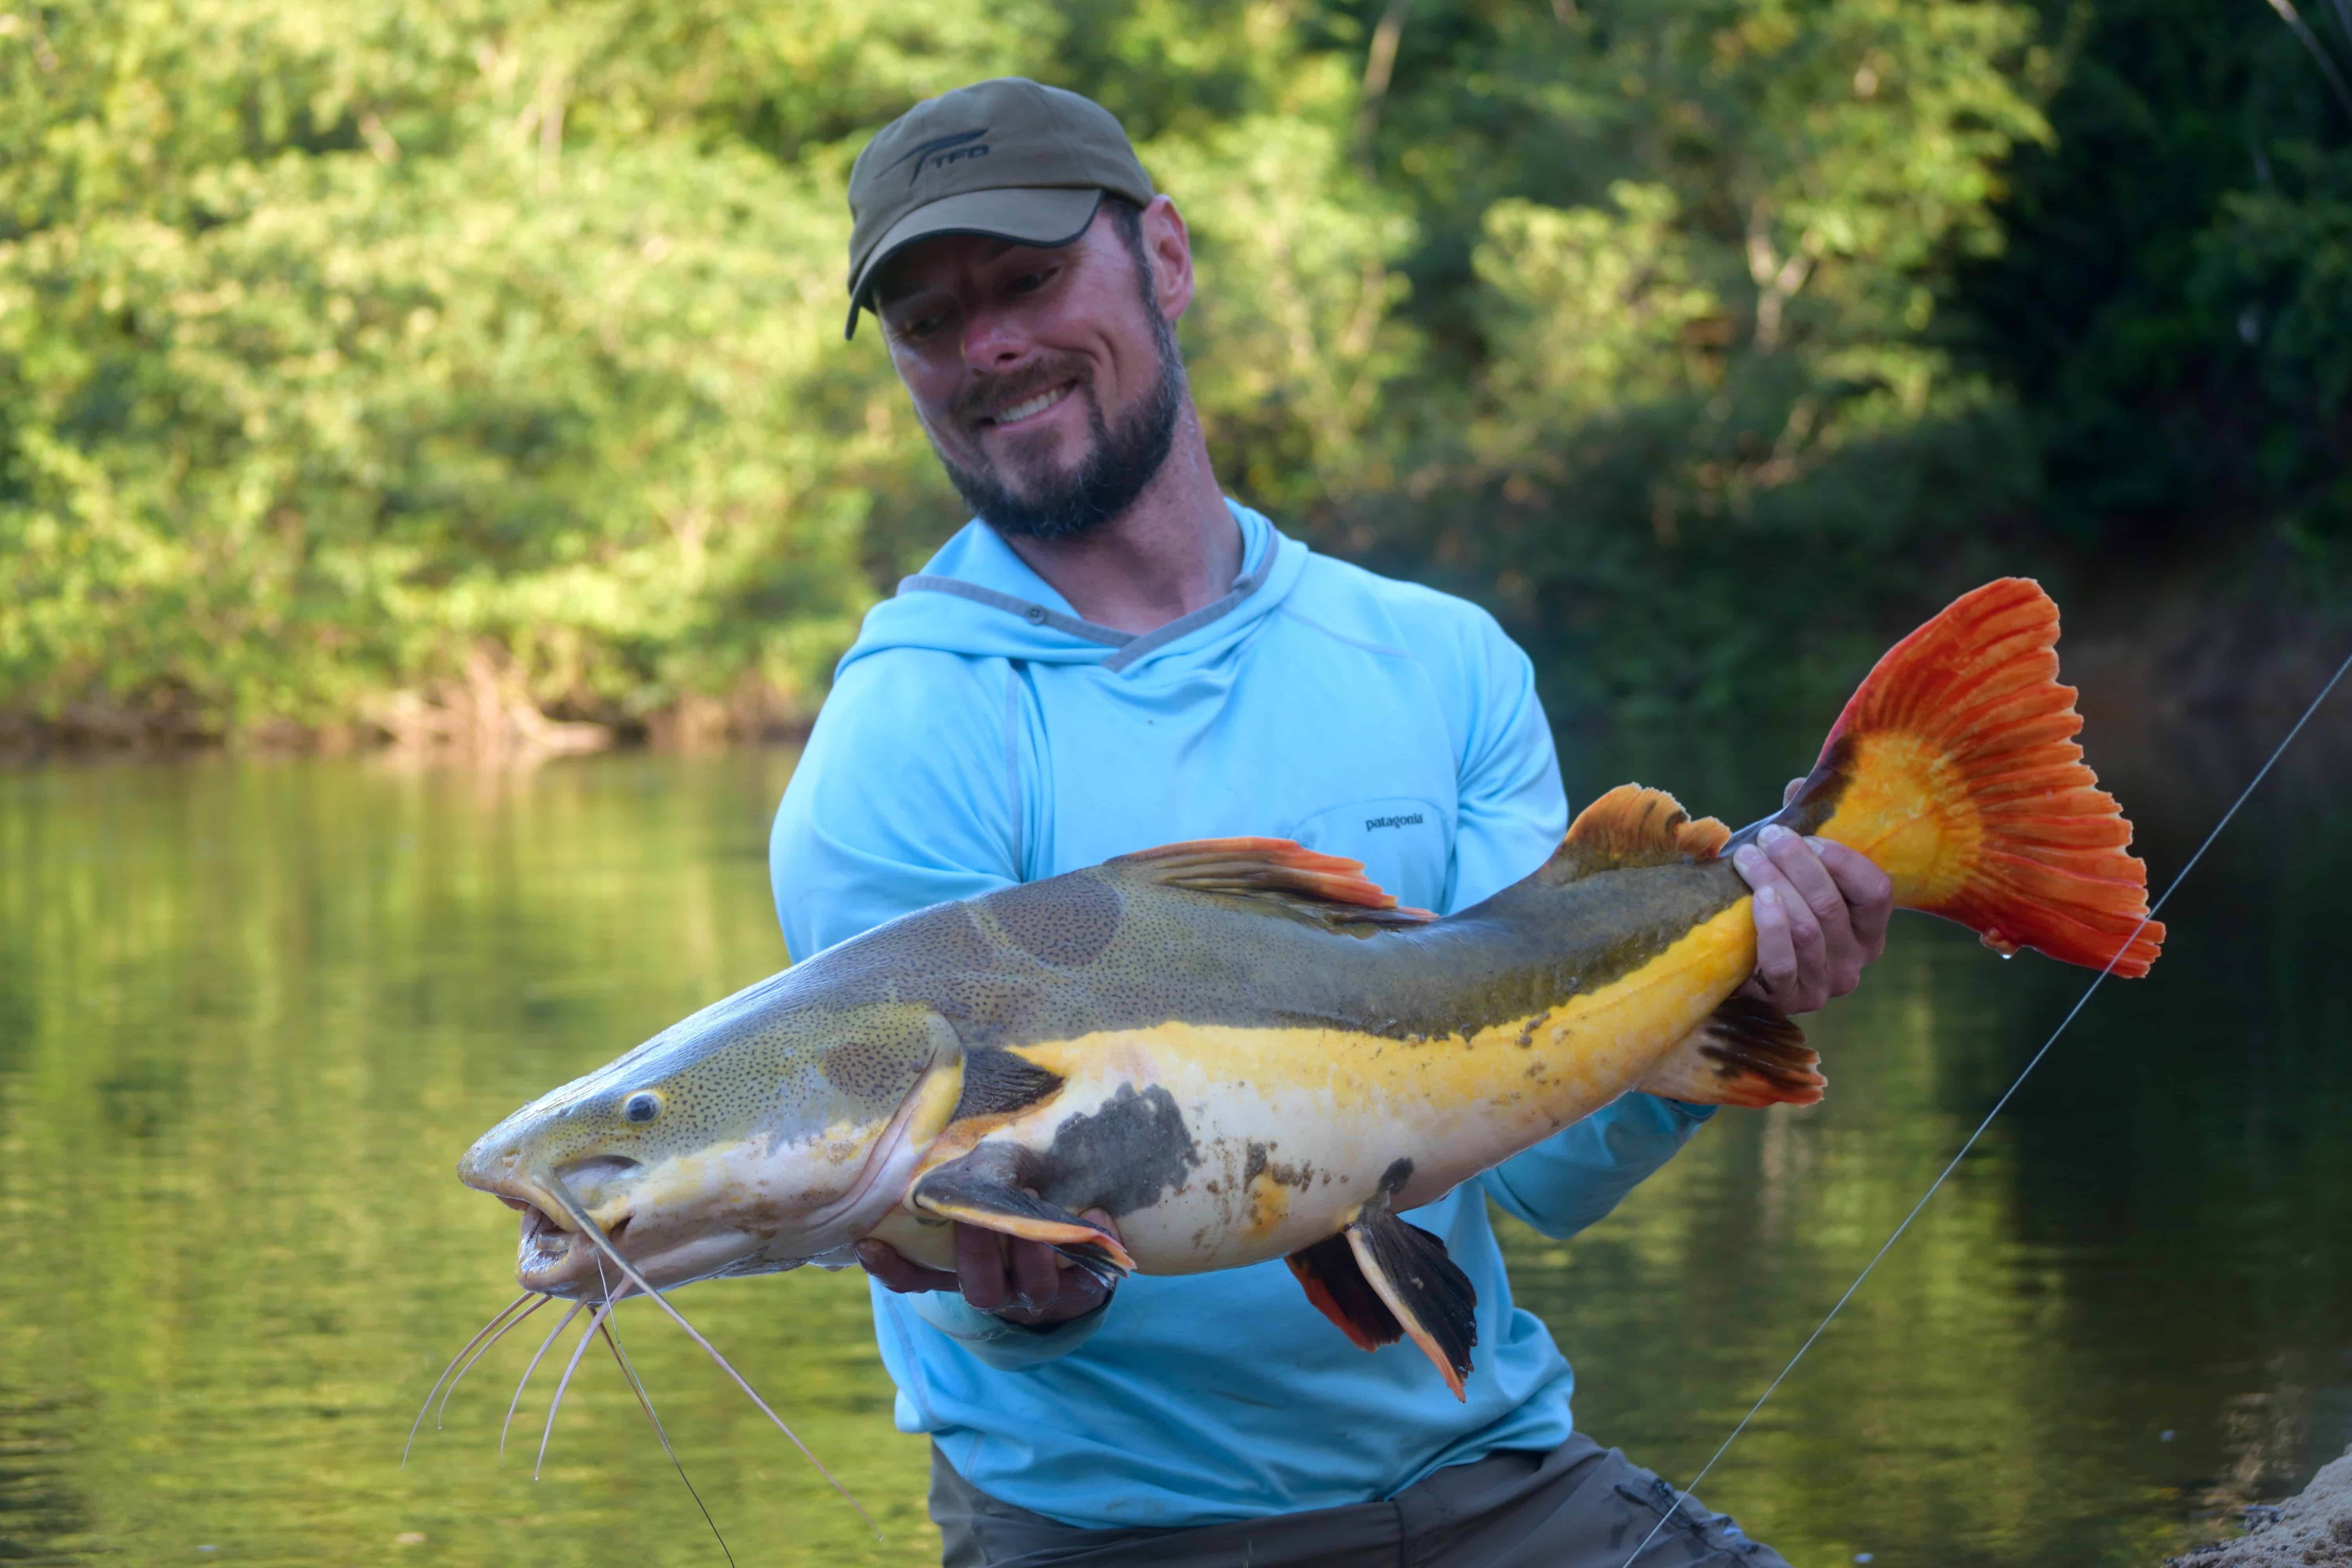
(1112, 655)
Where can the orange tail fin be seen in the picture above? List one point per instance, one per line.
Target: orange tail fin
(1955, 769)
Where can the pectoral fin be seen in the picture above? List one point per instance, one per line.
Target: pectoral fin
(979, 1189)
(1382, 1280)
(1747, 1053)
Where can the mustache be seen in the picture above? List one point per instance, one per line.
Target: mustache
(982, 399)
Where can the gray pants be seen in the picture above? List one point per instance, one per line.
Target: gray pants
(1579, 1506)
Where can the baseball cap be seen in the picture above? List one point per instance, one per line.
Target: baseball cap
(1008, 158)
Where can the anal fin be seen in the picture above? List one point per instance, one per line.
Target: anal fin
(976, 1190)
(1747, 1053)
(1382, 1280)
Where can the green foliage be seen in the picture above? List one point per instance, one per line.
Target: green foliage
(1708, 379)
(372, 415)
(316, 398)
(346, 360)
(2282, 254)
(2152, 307)
(352, 360)
(1294, 334)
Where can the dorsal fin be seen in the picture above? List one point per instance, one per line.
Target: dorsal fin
(1326, 888)
(1633, 825)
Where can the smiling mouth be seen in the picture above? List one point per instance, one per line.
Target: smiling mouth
(1032, 407)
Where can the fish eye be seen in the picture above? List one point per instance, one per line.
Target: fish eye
(642, 1106)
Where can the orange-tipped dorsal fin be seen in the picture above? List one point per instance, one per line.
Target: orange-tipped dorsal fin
(1324, 887)
(1633, 825)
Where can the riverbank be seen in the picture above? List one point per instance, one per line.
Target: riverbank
(2218, 636)
(2312, 1528)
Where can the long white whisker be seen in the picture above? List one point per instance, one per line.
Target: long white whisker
(478, 1354)
(645, 1403)
(604, 1310)
(596, 1232)
(495, 1318)
(552, 1334)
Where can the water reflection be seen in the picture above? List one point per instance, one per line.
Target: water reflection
(251, 1011)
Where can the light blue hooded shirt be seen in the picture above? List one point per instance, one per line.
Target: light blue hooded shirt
(981, 734)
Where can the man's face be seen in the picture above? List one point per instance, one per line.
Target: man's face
(1047, 379)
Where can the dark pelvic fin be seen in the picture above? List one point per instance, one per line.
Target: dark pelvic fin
(1748, 1052)
(1382, 1280)
(998, 1082)
(1633, 825)
(1323, 888)
(1338, 1288)
(975, 1190)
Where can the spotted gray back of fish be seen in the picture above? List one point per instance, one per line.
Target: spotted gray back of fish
(1112, 948)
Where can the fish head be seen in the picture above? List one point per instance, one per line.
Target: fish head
(756, 1135)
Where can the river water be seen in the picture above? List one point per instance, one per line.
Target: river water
(251, 1010)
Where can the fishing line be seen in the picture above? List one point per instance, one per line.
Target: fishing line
(2096, 981)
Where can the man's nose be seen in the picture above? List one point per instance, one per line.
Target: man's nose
(993, 338)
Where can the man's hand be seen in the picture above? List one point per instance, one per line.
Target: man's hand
(1024, 1282)
(1821, 915)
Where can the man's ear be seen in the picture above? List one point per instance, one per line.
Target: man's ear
(1170, 247)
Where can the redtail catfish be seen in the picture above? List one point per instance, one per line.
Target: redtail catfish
(1240, 1049)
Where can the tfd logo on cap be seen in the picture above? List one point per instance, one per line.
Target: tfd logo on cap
(941, 150)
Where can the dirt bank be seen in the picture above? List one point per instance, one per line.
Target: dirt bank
(2313, 1527)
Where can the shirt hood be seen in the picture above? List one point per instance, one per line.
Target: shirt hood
(976, 597)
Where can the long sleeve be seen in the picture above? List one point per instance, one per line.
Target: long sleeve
(1510, 809)
(902, 799)
(1577, 1175)
(1513, 813)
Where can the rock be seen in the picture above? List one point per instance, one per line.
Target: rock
(2311, 1529)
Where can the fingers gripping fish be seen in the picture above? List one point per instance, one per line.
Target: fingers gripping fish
(1240, 1049)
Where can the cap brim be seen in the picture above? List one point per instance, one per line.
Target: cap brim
(1023, 215)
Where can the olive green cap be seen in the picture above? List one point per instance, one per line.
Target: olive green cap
(1009, 158)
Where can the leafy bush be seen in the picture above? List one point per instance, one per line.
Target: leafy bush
(359, 363)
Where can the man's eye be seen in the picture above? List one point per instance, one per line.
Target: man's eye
(1030, 282)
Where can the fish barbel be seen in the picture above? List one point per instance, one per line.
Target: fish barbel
(1240, 1049)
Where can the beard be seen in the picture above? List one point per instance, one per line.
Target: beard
(1121, 460)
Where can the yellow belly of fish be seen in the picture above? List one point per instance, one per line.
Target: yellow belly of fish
(1295, 1127)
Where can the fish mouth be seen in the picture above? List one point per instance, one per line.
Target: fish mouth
(554, 1257)
(551, 1255)
(550, 1251)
